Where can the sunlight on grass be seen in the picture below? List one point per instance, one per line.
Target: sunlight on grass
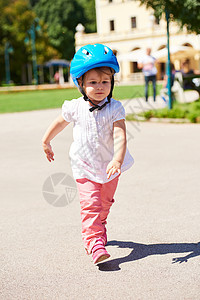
(36, 100)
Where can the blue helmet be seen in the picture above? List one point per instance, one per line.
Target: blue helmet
(92, 56)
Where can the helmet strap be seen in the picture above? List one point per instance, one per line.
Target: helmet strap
(95, 106)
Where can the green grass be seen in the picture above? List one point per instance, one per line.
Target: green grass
(132, 91)
(190, 111)
(36, 100)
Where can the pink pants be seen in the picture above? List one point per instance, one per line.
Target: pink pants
(95, 201)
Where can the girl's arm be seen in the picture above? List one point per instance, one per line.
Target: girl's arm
(57, 126)
(119, 134)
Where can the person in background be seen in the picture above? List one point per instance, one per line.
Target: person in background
(147, 64)
(164, 90)
(56, 77)
(186, 72)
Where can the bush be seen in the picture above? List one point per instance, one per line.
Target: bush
(147, 114)
(190, 111)
(194, 117)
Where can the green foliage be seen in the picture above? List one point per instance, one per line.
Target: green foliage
(89, 20)
(62, 17)
(55, 39)
(16, 19)
(190, 111)
(186, 12)
(33, 2)
(194, 113)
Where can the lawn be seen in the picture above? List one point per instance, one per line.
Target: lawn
(36, 100)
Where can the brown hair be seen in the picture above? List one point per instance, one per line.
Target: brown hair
(106, 70)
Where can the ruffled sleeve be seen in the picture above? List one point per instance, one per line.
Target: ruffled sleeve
(118, 112)
(69, 110)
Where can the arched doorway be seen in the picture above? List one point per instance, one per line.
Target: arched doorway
(134, 63)
(161, 65)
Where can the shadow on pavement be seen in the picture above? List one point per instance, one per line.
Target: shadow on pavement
(140, 251)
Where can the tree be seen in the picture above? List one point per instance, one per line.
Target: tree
(89, 21)
(16, 19)
(62, 17)
(33, 2)
(186, 13)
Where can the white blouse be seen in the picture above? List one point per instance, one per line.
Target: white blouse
(93, 145)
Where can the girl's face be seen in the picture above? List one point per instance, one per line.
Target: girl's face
(97, 85)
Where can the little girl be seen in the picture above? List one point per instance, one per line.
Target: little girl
(98, 153)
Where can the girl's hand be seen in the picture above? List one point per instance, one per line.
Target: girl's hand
(48, 151)
(57, 126)
(113, 167)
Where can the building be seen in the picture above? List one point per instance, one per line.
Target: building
(128, 29)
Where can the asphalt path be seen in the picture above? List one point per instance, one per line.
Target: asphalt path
(153, 227)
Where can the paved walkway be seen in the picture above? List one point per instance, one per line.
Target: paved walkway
(153, 228)
(136, 105)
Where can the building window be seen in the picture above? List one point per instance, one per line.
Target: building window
(112, 25)
(133, 22)
(157, 20)
(134, 67)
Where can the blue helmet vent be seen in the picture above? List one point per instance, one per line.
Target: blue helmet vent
(86, 52)
(92, 56)
(105, 50)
